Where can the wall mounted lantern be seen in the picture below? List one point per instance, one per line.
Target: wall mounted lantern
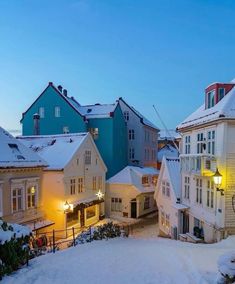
(217, 178)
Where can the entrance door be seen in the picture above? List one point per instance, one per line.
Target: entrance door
(82, 217)
(185, 223)
(133, 209)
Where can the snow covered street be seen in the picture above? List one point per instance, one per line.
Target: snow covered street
(128, 261)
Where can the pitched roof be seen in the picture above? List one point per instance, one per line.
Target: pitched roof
(143, 119)
(97, 110)
(56, 150)
(168, 151)
(173, 166)
(132, 175)
(169, 134)
(13, 154)
(225, 108)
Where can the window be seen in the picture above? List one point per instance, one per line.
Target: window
(72, 186)
(126, 115)
(211, 99)
(87, 157)
(17, 199)
(116, 204)
(221, 93)
(146, 203)
(210, 194)
(90, 212)
(94, 132)
(186, 187)
(65, 129)
(42, 112)
(57, 111)
(94, 184)
(163, 187)
(162, 218)
(100, 183)
(211, 142)
(167, 189)
(131, 153)
(145, 180)
(199, 190)
(131, 134)
(187, 144)
(31, 197)
(80, 185)
(200, 143)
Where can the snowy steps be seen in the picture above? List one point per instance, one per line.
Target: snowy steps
(188, 237)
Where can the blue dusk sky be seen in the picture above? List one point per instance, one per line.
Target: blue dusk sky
(148, 52)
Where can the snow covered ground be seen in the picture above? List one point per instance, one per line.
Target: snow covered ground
(139, 261)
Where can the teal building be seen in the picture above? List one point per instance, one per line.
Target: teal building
(54, 112)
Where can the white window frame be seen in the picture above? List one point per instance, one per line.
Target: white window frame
(211, 142)
(87, 157)
(199, 185)
(72, 186)
(126, 115)
(80, 185)
(41, 111)
(30, 185)
(94, 183)
(57, 111)
(16, 186)
(116, 204)
(187, 144)
(187, 187)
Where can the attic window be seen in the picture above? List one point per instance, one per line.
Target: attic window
(221, 93)
(89, 110)
(210, 99)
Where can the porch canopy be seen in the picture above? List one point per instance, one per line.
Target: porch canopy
(86, 202)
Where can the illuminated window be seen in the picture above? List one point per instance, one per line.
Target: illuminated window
(94, 183)
(31, 197)
(80, 185)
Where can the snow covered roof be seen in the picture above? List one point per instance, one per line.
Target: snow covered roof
(173, 166)
(97, 110)
(13, 154)
(56, 150)
(168, 151)
(132, 175)
(225, 108)
(169, 134)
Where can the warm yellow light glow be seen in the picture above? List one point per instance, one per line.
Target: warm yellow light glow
(100, 194)
(217, 178)
(66, 206)
(33, 190)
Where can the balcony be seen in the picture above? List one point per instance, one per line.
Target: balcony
(200, 164)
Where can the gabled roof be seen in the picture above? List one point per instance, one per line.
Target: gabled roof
(132, 175)
(225, 108)
(57, 150)
(71, 101)
(143, 119)
(97, 110)
(169, 134)
(13, 154)
(172, 166)
(168, 151)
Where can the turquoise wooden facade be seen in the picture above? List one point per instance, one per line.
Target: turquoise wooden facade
(112, 132)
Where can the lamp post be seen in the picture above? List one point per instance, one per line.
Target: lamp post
(217, 178)
(67, 207)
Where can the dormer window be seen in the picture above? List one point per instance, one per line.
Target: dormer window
(221, 93)
(145, 180)
(210, 99)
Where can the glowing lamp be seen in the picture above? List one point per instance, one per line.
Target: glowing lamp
(33, 190)
(217, 178)
(67, 206)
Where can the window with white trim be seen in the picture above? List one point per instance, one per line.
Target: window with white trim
(186, 187)
(200, 143)
(87, 157)
(116, 204)
(162, 218)
(131, 153)
(199, 191)
(146, 202)
(126, 115)
(41, 112)
(94, 183)
(210, 194)
(100, 183)
(221, 93)
(211, 142)
(17, 199)
(57, 111)
(187, 144)
(80, 184)
(210, 99)
(131, 134)
(31, 196)
(72, 186)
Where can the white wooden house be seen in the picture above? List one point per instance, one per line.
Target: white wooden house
(130, 192)
(167, 196)
(208, 143)
(73, 185)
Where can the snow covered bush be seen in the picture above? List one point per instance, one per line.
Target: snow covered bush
(14, 240)
(226, 265)
(106, 231)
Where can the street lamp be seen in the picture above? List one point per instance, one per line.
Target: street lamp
(67, 207)
(217, 178)
(100, 194)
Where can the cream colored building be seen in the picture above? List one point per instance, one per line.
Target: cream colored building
(130, 192)
(73, 179)
(20, 182)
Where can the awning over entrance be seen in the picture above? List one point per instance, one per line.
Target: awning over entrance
(87, 202)
(180, 206)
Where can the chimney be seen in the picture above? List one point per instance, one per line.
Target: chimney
(60, 88)
(65, 92)
(36, 124)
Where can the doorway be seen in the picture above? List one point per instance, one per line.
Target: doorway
(133, 208)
